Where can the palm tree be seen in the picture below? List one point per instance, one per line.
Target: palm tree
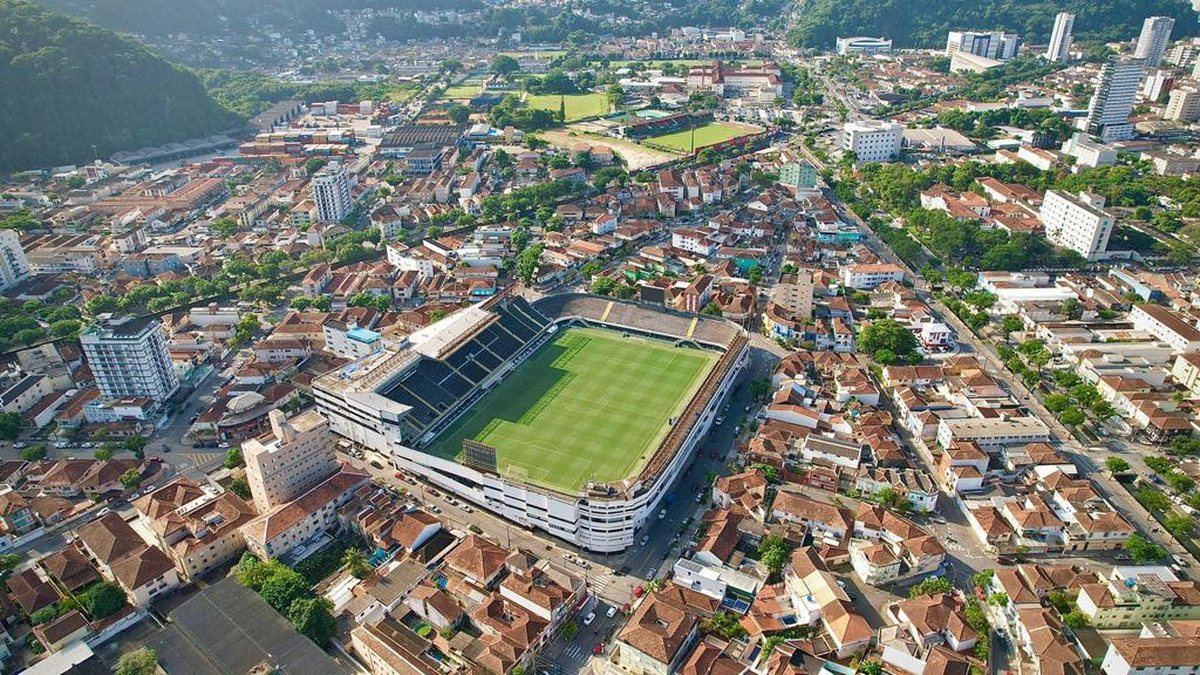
(355, 561)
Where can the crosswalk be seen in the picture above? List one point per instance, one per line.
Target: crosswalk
(574, 652)
(201, 458)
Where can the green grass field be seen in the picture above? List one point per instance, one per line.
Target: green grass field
(462, 91)
(578, 106)
(709, 134)
(590, 405)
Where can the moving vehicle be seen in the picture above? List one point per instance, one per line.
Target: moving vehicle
(587, 620)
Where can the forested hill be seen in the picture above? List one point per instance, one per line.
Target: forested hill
(69, 85)
(924, 23)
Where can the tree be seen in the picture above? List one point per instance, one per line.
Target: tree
(1057, 403)
(10, 426)
(313, 618)
(458, 113)
(356, 562)
(1142, 550)
(142, 661)
(1116, 465)
(101, 599)
(1076, 619)
(725, 624)
(233, 458)
(104, 453)
(998, 599)
(930, 585)
(283, 588)
(570, 630)
(1013, 323)
(527, 262)
(590, 269)
(252, 572)
(240, 487)
(503, 65)
(773, 553)
(887, 334)
(44, 615)
(615, 95)
(1179, 525)
(870, 668)
(33, 453)
(136, 445)
(1072, 417)
(1153, 499)
(885, 357)
(223, 227)
(131, 479)
(602, 286)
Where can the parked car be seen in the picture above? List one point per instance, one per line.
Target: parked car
(612, 611)
(587, 620)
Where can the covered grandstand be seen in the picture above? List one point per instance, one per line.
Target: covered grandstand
(638, 128)
(399, 401)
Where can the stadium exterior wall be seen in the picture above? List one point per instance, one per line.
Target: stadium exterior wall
(601, 524)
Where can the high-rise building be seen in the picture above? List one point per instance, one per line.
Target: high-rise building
(331, 193)
(14, 266)
(991, 44)
(128, 357)
(1078, 223)
(1059, 50)
(1152, 43)
(297, 456)
(1116, 89)
(1184, 105)
(873, 140)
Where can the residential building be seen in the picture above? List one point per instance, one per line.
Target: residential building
(349, 340)
(144, 572)
(1169, 327)
(391, 648)
(1186, 371)
(800, 175)
(129, 358)
(1153, 41)
(1088, 153)
(198, 527)
(873, 140)
(308, 518)
(990, 45)
(1152, 655)
(1059, 50)
(297, 455)
(658, 637)
(794, 293)
(331, 193)
(992, 433)
(1112, 102)
(1183, 105)
(14, 266)
(1131, 596)
(1080, 224)
(866, 277)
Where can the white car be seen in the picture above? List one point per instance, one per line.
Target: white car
(645, 538)
(612, 611)
(662, 514)
(587, 620)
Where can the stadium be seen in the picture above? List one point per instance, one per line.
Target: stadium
(573, 414)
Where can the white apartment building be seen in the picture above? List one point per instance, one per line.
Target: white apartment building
(1089, 153)
(866, 277)
(873, 140)
(350, 341)
(1080, 224)
(1162, 323)
(1152, 656)
(1152, 43)
(14, 266)
(331, 193)
(990, 44)
(1184, 105)
(694, 241)
(1111, 105)
(297, 457)
(129, 357)
(1059, 50)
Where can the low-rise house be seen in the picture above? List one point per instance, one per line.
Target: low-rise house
(143, 571)
(198, 527)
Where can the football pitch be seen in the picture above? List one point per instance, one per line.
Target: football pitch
(709, 134)
(589, 405)
(578, 106)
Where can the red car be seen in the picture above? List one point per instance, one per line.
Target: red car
(598, 649)
(637, 592)
(399, 475)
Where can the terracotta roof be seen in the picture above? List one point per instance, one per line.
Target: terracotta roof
(1158, 652)
(141, 567)
(658, 628)
(70, 567)
(268, 526)
(110, 538)
(477, 557)
(31, 592)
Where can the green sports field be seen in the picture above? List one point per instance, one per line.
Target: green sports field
(709, 134)
(589, 405)
(578, 106)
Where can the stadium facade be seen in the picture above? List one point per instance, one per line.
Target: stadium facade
(399, 400)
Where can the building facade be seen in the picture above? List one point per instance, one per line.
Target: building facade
(1078, 223)
(298, 455)
(331, 193)
(1152, 43)
(873, 140)
(129, 358)
(1112, 103)
(1059, 50)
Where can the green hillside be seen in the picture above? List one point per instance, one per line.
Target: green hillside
(924, 23)
(69, 86)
